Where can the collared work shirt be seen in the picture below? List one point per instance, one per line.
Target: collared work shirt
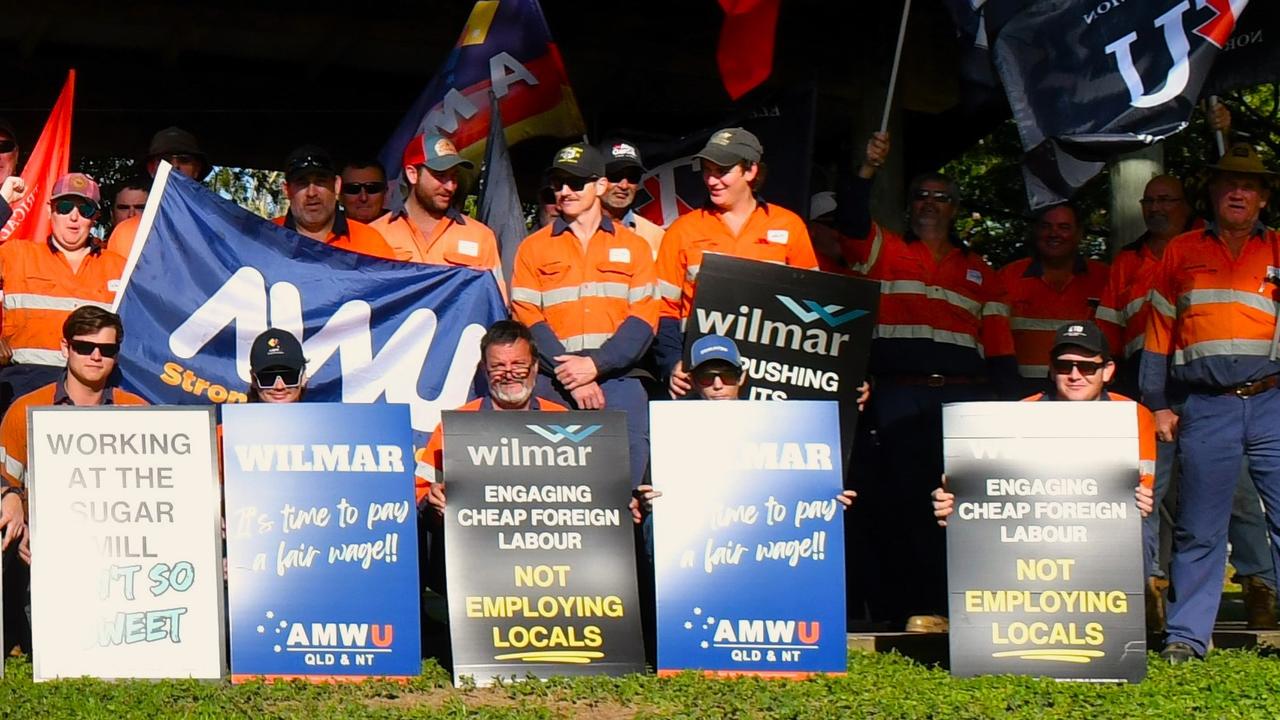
(349, 235)
(1037, 309)
(455, 240)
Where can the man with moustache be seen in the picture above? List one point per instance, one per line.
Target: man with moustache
(312, 184)
(623, 169)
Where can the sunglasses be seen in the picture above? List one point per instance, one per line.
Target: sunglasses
(8, 146)
(139, 207)
(631, 175)
(576, 184)
(1086, 367)
(87, 208)
(266, 379)
(86, 348)
(372, 188)
(939, 195)
(707, 378)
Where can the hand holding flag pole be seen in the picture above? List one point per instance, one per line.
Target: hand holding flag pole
(893, 74)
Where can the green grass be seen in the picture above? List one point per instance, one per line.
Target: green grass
(1230, 684)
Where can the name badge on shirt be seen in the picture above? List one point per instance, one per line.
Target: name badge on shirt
(973, 276)
(113, 285)
(469, 247)
(1272, 276)
(777, 237)
(620, 255)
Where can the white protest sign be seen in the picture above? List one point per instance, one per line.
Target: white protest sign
(126, 568)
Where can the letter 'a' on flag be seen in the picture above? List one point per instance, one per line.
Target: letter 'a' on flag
(505, 47)
(1086, 84)
(745, 51)
(500, 206)
(49, 160)
(206, 277)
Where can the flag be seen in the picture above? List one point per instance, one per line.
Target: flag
(672, 183)
(499, 205)
(745, 51)
(49, 160)
(207, 277)
(1087, 81)
(1252, 55)
(505, 47)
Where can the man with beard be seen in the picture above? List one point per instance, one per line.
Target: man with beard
(429, 229)
(942, 336)
(312, 184)
(623, 169)
(509, 360)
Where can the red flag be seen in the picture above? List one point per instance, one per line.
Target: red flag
(48, 161)
(745, 54)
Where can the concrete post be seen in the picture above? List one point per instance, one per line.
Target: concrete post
(1129, 175)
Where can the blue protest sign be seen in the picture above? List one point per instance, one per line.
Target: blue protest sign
(321, 541)
(206, 278)
(748, 537)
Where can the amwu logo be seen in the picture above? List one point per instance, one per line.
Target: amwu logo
(830, 314)
(573, 433)
(1215, 31)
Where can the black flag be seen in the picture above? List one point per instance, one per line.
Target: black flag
(1252, 55)
(499, 205)
(1088, 79)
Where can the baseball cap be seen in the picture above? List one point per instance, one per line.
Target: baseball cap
(276, 348)
(6, 128)
(176, 141)
(713, 347)
(308, 158)
(437, 152)
(619, 155)
(1084, 335)
(731, 146)
(579, 160)
(822, 203)
(77, 184)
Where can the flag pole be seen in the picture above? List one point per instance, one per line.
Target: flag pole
(1219, 139)
(893, 74)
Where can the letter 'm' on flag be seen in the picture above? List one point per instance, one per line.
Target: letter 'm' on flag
(505, 47)
(745, 51)
(1087, 83)
(49, 159)
(206, 277)
(500, 207)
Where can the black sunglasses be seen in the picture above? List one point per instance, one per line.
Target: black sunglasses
(86, 347)
(8, 146)
(373, 188)
(292, 377)
(631, 175)
(728, 376)
(1086, 367)
(139, 207)
(87, 208)
(939, 195)
(576, 184)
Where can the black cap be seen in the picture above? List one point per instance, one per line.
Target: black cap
(731, 146)
(6, 127)
(579, 160)
(620, 155)
(276, 348)
(1084, 335)
(309, 158)
(176, 141)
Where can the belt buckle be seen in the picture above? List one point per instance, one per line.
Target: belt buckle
(1248, 389)
(935, 380)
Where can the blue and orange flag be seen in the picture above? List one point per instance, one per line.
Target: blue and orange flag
(506, 46)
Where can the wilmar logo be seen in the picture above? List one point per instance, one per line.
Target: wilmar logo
(1215, 30)
(830, 314)
(573, 433)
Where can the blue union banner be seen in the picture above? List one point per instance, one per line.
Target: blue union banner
(322, 547)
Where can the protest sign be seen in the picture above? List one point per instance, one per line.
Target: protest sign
(748, 537)
(322, 544)
(539, 545)
(126, 574)
(1044, 550)
(803, 334)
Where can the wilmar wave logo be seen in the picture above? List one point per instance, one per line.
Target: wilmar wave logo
(573, 433)
(830, 314)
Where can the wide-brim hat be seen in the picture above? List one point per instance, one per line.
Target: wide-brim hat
(1242, 158)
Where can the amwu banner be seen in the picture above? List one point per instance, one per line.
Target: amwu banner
(1044, 551)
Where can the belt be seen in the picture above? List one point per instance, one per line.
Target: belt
(934, 380)
(1248, 389)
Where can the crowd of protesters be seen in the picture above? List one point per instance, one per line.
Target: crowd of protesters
(599, 296)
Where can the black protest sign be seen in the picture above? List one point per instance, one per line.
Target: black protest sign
(803, 334)
(539, 545)
(1044, 549)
